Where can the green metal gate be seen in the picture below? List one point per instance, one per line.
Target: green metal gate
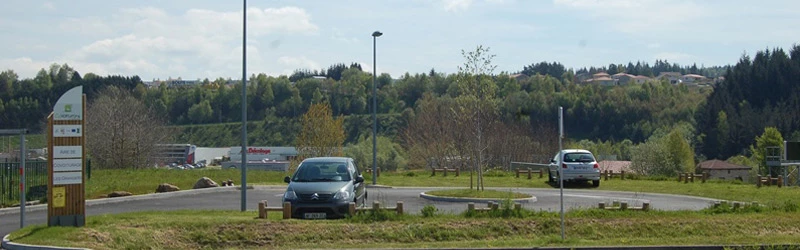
(35, 182)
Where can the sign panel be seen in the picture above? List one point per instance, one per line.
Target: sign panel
(70, 106)
(64, 165)
(61, 152)
(67, 130)
(66, 178)
(59, 197)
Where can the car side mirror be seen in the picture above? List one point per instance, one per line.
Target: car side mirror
(287, 179)
(552, 161)
(359, 179)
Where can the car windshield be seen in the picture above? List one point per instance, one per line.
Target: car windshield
(578, 157)
(322, 171)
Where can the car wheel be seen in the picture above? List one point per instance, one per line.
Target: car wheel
(596, 183)
(550, 177)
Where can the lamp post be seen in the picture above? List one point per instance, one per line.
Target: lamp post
(375, 36)
(244, 107)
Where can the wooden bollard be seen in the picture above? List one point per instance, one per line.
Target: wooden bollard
(376, 205)
(615, 203)
(471, 207)
(541, 173)
(489, 204)
(691, 175)
(351, 208)
(495, 206)
(433, 171)
(680, 176)
(622, 176)
(529, 173)
(287, 210)
(399, 208)
(517, 206)
(758, 181)
(458, 172)
(716, 204)
(780, 181)
(601, 205)
(445, 172)
(646, 206)
(704, 177)
(623, 205)
(685, 177)
(736, 205)
(262, 210)
(605, 175)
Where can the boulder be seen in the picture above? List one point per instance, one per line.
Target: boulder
(166, 187)
(204, 182)
(119, 194)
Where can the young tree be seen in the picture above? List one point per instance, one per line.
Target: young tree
(122, 130)
(321, 134)
(681, 153)
(476, 107)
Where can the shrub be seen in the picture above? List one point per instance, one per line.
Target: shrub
(429, 211)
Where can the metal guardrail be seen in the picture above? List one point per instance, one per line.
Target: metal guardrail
(35, 182)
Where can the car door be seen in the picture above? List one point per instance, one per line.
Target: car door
(358, 187)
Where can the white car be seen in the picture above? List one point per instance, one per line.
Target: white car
(576, 165)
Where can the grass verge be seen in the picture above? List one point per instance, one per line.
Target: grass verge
(240, 230)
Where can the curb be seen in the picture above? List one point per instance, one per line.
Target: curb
(481, 200)
(7, 244)
(378, 186)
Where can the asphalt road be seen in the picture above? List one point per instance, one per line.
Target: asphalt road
(228, 198)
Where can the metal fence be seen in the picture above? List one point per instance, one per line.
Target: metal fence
(35, 182)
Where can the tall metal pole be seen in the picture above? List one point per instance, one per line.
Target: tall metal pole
(244, 106)
(22, 199)
(375, 36)
(560, 163)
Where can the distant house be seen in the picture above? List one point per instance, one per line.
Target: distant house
(693, 78)
(615, 166)
(723, 170)
(519, 77)
(672, 77)
(640, 79)
(601, 78)
(622, 78)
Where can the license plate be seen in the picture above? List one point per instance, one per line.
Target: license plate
(581, 167)
(314, 215)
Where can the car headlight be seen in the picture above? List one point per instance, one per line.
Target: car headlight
(342, 195)
(289, 195)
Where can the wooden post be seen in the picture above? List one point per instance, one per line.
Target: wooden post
(758, 181)
(517, 171)
(458, 172)
(736, 205)
(685, 177)
(399, 208)
(529, 173)
(679, 177)
(692, 176)
(287, 210)
(471, 207)
(445, 172)
(351, 208)
(646, 206)
(780, 181)
(605, 175)
(495, 206)
(615, 203)
(379, 172)
(623, 205)
(541, 173)
(433, 172)
(517, 206)
(489, 205)
(716, 204)
(262, 209)
(622, 176)
(376, 205)
(601, 205)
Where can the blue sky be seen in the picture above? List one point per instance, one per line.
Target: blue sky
(202, 38)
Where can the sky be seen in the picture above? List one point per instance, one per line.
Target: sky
(197, 39)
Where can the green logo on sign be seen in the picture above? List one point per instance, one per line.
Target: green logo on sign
(68, 108)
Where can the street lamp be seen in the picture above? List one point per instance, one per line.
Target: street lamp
(375, 35)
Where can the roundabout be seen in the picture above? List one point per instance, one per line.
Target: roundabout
(472, 196)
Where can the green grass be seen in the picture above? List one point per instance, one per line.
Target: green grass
(240, 230)
(473, 193)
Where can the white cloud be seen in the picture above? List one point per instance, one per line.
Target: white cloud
(25, 67)
(150, 42)
(49, 6)
(456, 5)
(634, 16)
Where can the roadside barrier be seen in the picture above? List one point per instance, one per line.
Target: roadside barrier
(445, 170)
(263, 209)
(376, 205)
(490, 207)
(529, 171)
(768, 181)
(377, 172)
(736, 205)
(616, 205)
(610, 174)
(689, 177)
